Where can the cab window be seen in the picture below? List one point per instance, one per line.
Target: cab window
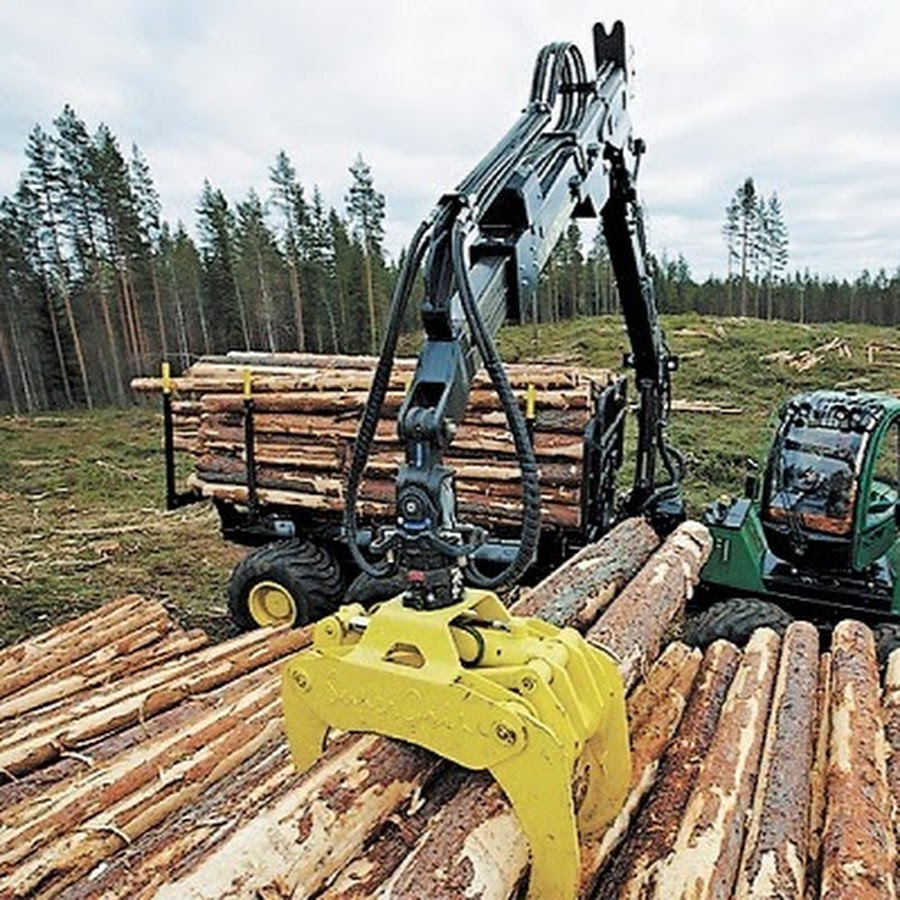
(886, 473)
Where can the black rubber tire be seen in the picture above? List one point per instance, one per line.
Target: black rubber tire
(887, 639)
(308, 571)
(735, 620)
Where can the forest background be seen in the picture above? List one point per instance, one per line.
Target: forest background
(95, 288)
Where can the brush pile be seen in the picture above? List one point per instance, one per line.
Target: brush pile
(136, 760)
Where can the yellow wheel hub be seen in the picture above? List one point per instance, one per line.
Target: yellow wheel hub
(270, 603)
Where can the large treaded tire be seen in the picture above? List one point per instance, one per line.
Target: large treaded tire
(735, 620)
(307, 574)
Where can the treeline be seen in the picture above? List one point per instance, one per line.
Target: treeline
(95, 287)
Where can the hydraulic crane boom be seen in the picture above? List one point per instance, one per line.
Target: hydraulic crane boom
(483, 250)
(443, 664)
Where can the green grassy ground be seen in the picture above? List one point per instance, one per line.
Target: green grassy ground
(82, 493)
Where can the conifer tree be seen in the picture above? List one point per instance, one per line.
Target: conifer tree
(365, 209)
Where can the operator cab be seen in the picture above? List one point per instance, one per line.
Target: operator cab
(831, 485)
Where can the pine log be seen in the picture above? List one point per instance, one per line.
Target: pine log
(704, 860)
(26, 663)
(72, 766)
(651, 839)
(394, 840)
(320, 371)
(132, 653)
(777, 841)
(313, 829)
(475, 847)
(858, 847)
(891, 712)
(634, 626)
(70, 857)
(377, 500)
(670, 571)
(28, 829)
(40, 738)
(168, 851)
(651, 695)
(576, 592)
(676, 669)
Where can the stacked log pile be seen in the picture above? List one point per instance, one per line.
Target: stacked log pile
(768, 771)
(306, 411)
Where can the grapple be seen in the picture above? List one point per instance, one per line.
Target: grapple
(525, 700)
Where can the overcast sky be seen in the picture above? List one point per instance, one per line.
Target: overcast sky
(804, 95)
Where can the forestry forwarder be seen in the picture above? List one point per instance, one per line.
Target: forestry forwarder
(443, 664)
(820, 539)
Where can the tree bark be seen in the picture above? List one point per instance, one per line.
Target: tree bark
(858, 846)
(777, 841)
(704, 859)
(652, 836)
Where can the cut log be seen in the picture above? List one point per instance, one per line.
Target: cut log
(385, 850)
(144, 647)
(73, 855)
(858, 848)
(336, 821)
(777, 842)
(634, 626)
(704, 860)
(818, 775)
(576, 592)
(63, 810)
(632, 872)
(27, 663)
(40, 738)
(676, 669)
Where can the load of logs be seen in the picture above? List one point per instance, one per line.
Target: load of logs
(305, 417)
(138, 760)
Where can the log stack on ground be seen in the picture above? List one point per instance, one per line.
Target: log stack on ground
(172, 778)
(306, 412)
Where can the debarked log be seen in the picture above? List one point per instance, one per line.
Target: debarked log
(631, 872)
(858, 847)
(704, 859)
(777, 841)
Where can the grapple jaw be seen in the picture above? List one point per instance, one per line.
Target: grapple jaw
(518, 697)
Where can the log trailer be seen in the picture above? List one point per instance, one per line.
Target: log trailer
(820, 539)
(442, 663)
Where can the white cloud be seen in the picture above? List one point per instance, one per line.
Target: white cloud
(800, 94)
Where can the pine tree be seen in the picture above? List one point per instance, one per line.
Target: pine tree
(365, 209)
(43, 183)
(257, 263)
(216, 226)
(287, 197)
(79, 172)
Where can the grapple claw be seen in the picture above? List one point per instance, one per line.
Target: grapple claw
(486, 690)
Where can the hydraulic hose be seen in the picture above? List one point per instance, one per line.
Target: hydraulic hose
(530, 535)
(375, 401)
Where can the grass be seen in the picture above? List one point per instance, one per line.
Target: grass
(82, 492)
(83, 523)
